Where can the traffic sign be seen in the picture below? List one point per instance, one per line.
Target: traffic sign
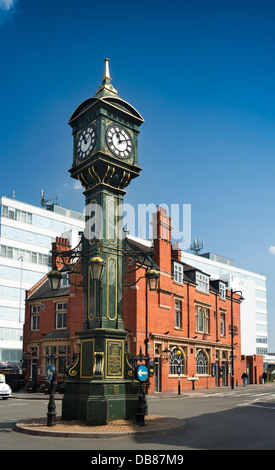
(142, 373)
(50, 371)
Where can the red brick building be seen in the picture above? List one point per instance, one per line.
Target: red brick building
(188, 313)
(52, 319)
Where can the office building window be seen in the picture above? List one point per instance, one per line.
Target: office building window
(261, 351)
(16, 214)
(27, 256)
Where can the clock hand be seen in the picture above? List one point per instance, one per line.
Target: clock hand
(119, 138)
(86, 141)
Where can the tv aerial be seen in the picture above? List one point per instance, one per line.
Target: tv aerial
(48, 201)
(196, 246)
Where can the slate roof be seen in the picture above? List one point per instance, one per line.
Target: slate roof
(45, 292)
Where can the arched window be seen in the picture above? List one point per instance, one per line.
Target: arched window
(176, 361)
(201, 363)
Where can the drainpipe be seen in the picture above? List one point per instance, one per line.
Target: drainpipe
(217, 328)
(188, 313)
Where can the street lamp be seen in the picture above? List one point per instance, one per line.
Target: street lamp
(152, 277)
(54, 277)
(166, 353)
(97, 265)
(232, 334)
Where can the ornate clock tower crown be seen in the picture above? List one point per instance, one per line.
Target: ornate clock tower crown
(105, 131)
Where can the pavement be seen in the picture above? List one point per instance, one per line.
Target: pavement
(119, 428)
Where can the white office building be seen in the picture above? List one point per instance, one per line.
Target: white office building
(254, 338)
(26, 236)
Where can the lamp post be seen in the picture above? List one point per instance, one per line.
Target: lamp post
(152, 277)
(51, 375)
(179, 370)
(233, 333)
(152, 281)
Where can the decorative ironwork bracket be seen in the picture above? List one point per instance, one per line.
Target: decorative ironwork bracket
(136, 259)
(70, 259)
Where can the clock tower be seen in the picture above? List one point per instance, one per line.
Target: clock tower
(105, 132)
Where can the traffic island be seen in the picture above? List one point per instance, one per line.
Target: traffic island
(119, 428)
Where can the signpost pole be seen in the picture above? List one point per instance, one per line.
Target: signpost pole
(142, 375)
(140, 416)
(51, 415)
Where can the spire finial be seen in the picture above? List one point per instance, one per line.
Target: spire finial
(107, 71)
(106, 87)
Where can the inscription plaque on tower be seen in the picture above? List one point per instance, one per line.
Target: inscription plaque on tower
(115, 354)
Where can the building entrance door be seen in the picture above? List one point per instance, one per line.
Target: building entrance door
(223, 374)
(34, 370)
(248, 371)
(217, 374)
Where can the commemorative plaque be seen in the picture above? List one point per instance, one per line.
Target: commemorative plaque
(115, 354)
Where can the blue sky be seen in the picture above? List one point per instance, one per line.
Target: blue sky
(200, 72)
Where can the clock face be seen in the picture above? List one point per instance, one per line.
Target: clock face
(86, 142)
(119, 141)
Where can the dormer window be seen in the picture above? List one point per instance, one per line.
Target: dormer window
(178, 273)
(202, 282)
(222, 290)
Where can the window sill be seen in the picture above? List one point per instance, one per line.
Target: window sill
(202, 292)
(177, 375)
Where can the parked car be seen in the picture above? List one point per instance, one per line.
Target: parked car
(5, 390)
(9, 367)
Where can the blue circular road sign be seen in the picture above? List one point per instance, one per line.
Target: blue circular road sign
(50, 372)
(142, 373)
